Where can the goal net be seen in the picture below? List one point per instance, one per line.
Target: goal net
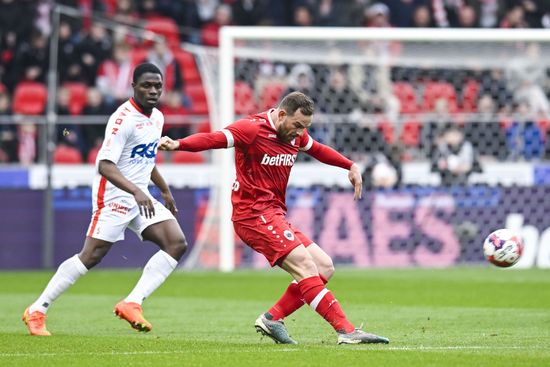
(450, 127)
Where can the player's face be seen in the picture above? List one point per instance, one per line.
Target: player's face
(292, 126)
(147, 90)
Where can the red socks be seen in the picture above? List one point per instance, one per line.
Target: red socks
(323, 302)
(290, 301)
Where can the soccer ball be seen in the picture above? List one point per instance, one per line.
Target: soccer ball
(503, 248)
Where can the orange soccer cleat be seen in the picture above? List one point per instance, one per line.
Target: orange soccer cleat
(36, 323)
(133, 313)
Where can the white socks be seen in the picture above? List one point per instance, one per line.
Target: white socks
(65, 276)
(157, 269)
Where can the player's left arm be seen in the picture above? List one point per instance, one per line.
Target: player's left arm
(327, 155)
(165, 192)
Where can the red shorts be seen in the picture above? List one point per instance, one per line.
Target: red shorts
(271, 235)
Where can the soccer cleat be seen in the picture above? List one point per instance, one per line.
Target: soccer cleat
(276, 330)
(359, 336)
(133, 313)
(36, 323)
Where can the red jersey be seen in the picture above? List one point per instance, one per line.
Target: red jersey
(262, 161)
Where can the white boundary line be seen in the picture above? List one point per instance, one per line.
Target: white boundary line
(363, 348)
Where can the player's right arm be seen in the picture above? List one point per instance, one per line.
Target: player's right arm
(116, 135)
(242, 132)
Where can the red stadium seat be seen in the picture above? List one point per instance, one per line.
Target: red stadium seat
(435, 90)
(387, 130)
(187, 157)
(188, 66)
(245, 102)
(410, 134)
(78, 98)
(271, 94)
(67, 155)
(160, 158)
(406, 95)
(139, 54)
(30, 98)
(92, 154)
(199, 103)
(204, 127)
(470, 95)
(166, 27)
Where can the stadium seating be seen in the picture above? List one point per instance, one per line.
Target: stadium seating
(406, 95)
(30, 98)
(92, 154)
(199, 104)
(67, 155)
(187, 157)
(435, 90)
(470, 96)
(271, 94)
(188, 66)
(77, 97)
(245, 103)
(166, 27)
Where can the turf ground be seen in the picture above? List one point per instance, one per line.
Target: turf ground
(453, 317)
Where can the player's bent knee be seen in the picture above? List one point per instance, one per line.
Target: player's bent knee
(177, 248)
(326, 270)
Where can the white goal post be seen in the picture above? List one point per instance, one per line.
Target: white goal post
(229, 36)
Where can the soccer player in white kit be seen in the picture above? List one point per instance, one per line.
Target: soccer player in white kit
(121, 199)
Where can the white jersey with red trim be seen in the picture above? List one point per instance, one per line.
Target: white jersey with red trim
(131, 140)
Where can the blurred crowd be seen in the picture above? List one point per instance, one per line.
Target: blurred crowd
(98, 50)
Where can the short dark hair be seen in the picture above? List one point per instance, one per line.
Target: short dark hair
(297, 101)
(146, 67)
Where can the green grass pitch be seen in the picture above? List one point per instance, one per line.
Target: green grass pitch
(446, 317)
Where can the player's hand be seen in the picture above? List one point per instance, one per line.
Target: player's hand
(145, 204)
(166, 143)
(356, 180)
(169, 201)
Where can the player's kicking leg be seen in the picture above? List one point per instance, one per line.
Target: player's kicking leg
(169, 237)
(66, 275)
(301, 266)
(291, 300)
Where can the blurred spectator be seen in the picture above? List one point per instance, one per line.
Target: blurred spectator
(525, 74)
(514, 18)
(8, 132)
(250, 12)
(206, 9)
(94, 49)
(377, 15)
(494, 84)
(173, 108)
(524, 136)
(422, 18)
(92, 134)
(333, 13)
(68, 62)
(31, 61)
(303, 17)
(440, 120)
(338, 97)
(210, 31)
(125, 12)
(68, 134)
(302, 79)
(164, 59)
(485, 132)
(148, 9)
(454, 157)
(14, 20)
(383, 169)
(26, 136)
(114, 77)
(467, 17)
(401, 11)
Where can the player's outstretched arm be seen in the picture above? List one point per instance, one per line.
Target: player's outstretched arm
(110, 171)
(356, 180)
(165, 192)
(166, 143)
(196, 142)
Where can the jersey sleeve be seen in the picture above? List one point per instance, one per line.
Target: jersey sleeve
(240, 133)
(324, 153)
(306, 142)
(116, 135)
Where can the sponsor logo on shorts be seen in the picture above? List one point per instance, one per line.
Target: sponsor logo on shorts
(288, 235)
(279, 160)
(118, 208)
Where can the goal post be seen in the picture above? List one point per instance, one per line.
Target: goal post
(313, 44)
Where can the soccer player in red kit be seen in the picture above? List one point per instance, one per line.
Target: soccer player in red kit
(266, 147)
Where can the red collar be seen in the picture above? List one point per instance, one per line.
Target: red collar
(139, 109)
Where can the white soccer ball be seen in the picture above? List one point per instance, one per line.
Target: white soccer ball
(503, 248)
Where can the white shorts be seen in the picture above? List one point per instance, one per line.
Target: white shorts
(110, 222)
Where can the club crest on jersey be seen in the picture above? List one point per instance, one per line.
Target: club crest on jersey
(145, 150)
(279, 160)
(288, 235)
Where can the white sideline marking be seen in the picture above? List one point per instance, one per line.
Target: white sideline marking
(364, 348)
